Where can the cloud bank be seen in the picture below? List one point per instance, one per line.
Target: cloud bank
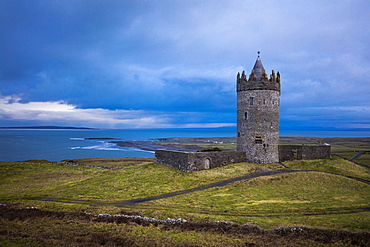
(125, 64)
(60, 112)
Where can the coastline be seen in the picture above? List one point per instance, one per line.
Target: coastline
(149, 146)
(187, 144)
(184, 144)
(55, 145)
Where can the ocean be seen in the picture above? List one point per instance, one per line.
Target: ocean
(57, 145)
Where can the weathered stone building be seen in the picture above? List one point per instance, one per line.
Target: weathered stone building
(258, 114)
(258, 117)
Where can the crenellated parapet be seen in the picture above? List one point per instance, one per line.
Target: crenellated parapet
(258, 82)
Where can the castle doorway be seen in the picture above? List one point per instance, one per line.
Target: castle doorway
(207, 163)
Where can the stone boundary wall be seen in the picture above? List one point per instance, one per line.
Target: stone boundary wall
(178, 160)
(197, 161)
(303, 152)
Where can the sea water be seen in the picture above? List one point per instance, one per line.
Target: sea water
(57, 145)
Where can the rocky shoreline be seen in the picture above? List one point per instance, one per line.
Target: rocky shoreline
(176, 144)
(150, 145)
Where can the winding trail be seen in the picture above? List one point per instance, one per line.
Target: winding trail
(359, 153)
(195, 189)
(211, 185)
(171, 194)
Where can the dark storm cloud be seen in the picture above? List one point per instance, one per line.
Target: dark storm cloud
(156, 59)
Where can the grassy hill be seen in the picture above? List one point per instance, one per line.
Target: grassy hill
(333, 194)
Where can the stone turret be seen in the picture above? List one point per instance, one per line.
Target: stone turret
(258, 114)
(258, 79)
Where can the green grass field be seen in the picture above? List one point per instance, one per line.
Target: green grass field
(329, 196)
(311, 199)
(314, 199)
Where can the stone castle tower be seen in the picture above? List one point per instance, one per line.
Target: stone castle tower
(258, 114)
(258, 130)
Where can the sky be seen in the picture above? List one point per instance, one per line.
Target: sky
(173, 64)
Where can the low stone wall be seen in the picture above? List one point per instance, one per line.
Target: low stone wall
(178, 160)
(197, 161)
(303, 152)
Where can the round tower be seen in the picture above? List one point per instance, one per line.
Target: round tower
(258, 114)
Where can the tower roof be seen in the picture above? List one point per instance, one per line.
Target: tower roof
(258, 68)
(258, 79)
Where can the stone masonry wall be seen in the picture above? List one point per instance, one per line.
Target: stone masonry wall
(310, 152)
(303, 152)
(258, 125)
(178, 160)
(197, 161)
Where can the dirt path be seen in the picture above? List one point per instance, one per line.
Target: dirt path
(195, 189)
(212, 185)
(167, 195)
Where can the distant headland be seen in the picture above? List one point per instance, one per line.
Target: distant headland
(45, 127)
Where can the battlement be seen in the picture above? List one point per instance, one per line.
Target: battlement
(258, 81)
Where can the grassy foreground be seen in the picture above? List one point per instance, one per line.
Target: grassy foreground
(327, 197)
